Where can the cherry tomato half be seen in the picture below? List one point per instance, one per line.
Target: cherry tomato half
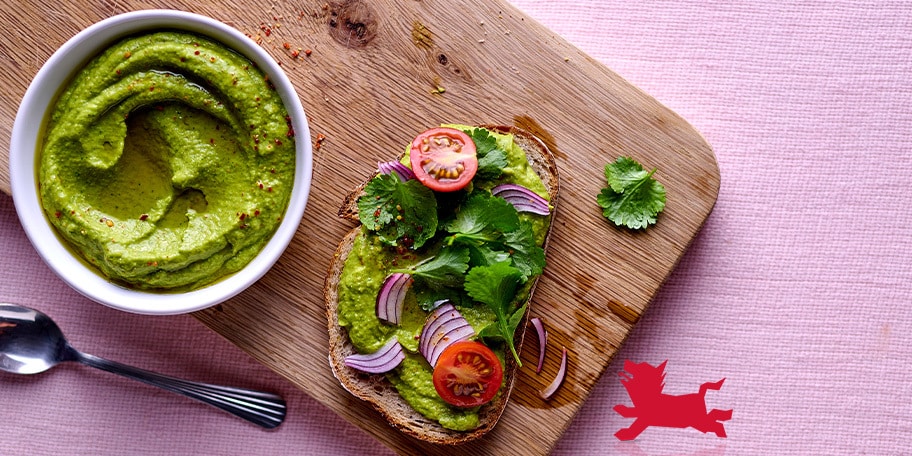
(467, 374)
(444, 159)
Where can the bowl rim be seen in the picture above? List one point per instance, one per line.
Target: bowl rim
(36, 103)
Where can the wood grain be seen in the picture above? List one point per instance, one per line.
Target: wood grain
(378, 73)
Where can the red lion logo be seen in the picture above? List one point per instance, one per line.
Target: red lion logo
(644, 384)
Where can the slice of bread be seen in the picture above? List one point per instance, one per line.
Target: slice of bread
(375, 388)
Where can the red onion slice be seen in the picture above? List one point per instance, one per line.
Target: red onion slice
(542, 341)
(523, 199)
(383, 360)
(441, 340)
(433, 323)
(558, 379)
(401, 170)
(444, 326)
(391, 297)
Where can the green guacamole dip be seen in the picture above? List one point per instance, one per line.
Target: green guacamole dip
(168, 161)
(363, 274)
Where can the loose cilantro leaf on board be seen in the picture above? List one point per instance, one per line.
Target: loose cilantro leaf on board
(491, 159)
(633, 198)
(446, 269)
(402, 214)
(496, 285)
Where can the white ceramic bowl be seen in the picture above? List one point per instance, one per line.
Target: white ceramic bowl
(27, 129)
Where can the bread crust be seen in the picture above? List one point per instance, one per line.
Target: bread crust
(375, 388)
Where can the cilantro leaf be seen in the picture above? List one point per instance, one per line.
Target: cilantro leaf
(633, 198)
(491, 159)
(492, 331)
(446, 269)
(493, 231)
(401, 213)
(482, 218)
(486, 255)
(527, 255)
(496, 286)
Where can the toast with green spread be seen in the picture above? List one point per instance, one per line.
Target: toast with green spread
(426, 257)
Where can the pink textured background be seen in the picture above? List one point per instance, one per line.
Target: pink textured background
(797, 291)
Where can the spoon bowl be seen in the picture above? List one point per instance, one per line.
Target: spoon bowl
(31, 343)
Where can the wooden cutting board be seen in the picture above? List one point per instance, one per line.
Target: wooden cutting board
(377, 73)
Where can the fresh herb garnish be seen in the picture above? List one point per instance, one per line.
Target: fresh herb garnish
(491, 159)
(496, 285)
(492, 230)
(483, 218)
(403, 214)
(446, 269)
(633, 198)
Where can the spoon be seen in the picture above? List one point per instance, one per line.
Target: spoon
(30, 342)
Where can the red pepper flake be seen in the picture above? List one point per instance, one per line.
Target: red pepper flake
(196, 52)
(144, 217)
(127, 54)
(243, 216)
(117, 72)
(183, 59)
(212, 59)
(256, 213)
(211, 140)
(269, 189)
(286, 45)
(278, 143)
(273, 171)
(151, 88)
(295, 53)
(57, 214)
(319, 142)
(307, 52)
(261, 185)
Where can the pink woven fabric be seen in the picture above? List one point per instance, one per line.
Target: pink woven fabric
(796, 291)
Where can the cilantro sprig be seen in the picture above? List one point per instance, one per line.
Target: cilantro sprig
(446, 269)
(401, 213)
(496, 286)
(632, 198)
(491, 158)
(492, 230)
